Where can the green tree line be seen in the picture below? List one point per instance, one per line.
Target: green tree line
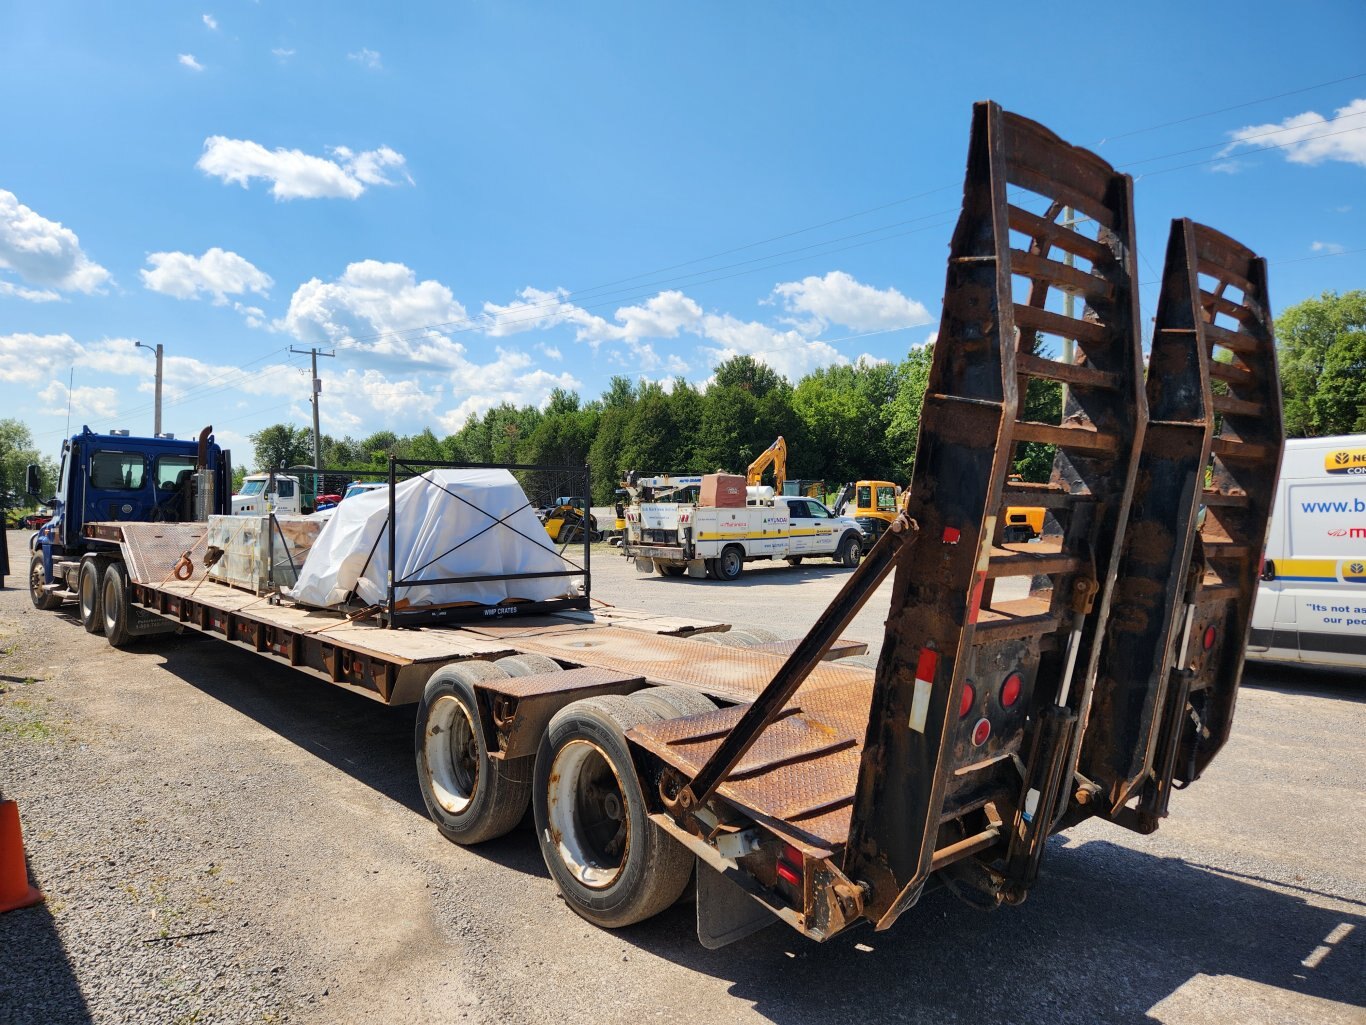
(841, 423)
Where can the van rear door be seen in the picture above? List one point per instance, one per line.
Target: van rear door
(1322, 577)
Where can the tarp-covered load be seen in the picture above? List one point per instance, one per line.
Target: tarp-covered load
(447, 526)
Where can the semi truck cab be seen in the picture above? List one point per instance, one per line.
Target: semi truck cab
(117, 477)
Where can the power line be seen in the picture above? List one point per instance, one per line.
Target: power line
(1236, 106)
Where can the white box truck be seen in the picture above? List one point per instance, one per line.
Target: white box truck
(1311, 605)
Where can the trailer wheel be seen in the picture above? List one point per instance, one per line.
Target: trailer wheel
(730, 564)
(668, 569)
(674, 702)
(612, 864)
(470, 796)
(92, 597)
(43, 600)
(850, 551)
(114, 599)
(527, 664)
(794, 560)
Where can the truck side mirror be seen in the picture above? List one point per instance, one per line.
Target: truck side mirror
(32, 481)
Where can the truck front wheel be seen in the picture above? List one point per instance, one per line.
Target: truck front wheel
(730, 564)
(37, 580)
(851, 550)
(469, 795)
(92, 597)
(612, 864)
(114, 602)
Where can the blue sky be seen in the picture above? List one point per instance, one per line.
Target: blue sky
(478, 202)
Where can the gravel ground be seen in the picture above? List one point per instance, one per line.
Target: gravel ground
(222, 840)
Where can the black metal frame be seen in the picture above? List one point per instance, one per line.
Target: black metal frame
(392, 616)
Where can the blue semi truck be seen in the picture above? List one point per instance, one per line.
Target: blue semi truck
(111, 478)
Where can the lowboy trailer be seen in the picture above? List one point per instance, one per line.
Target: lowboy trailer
(794, 787)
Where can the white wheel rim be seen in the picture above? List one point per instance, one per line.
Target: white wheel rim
(589, 820)
(110, 607)
(89, 585)
(452, 754)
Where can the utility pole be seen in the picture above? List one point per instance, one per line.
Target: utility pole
(156, 417)
(316, 391)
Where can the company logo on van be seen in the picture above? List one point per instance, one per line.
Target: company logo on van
(1346, 460)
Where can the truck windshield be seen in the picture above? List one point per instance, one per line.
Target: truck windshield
(119, 471)
(252, 487)
(170, 468)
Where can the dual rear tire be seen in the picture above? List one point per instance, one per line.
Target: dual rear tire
(613, 865)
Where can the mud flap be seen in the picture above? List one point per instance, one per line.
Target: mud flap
(644, 565)
(725, 911)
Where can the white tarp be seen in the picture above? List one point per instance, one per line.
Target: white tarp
(436, 538)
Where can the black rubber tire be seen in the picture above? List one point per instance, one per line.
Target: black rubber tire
(674, 702)
(41, 599)
(734, 638)
(667, 569)
(501, 788)
(761, 634)
(114, 599)
(528, 664)
(794, 560)
(710, 565)
(655, 868)
(850, 551)
(91, 601)
(707, 638)
(730, 563)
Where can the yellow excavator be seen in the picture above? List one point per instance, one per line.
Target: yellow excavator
(775, 456)
(874, 505)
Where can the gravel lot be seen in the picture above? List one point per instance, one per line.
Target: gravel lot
(221, 840)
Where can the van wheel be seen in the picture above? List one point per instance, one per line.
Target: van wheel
(44, 600)
(730, 564)
(794, 560)
(114, 599)
(612, 864)
(470, 796)
(850, 551)
(92, 597)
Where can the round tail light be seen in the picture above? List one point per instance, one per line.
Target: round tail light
(969, 696)
(1011, 689)
(981, 732)
(1211, 635)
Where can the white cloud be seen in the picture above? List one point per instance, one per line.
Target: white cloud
(1310, 138)
(838, 298)
(284, 52)
(210, 22)
(85, 400)
(366, 58)
(218, 273)
(789, 352)
(187, 59)
(43, 252)
(551, 351)
(378, 299)
(1227, 167)
(294, 174)
(1328, 248)
(33, 295)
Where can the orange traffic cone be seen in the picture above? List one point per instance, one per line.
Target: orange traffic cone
(15, 891)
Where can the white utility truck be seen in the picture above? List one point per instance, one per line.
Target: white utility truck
(727, 525)
(1311, 605)
(283, 493)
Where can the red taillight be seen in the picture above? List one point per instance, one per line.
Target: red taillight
(981, 732)
(969, 696)
(951, 535)
(1011, 689)
(790, 866)
(1211, 635)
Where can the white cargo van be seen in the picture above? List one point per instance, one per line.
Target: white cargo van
(1311, 606)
